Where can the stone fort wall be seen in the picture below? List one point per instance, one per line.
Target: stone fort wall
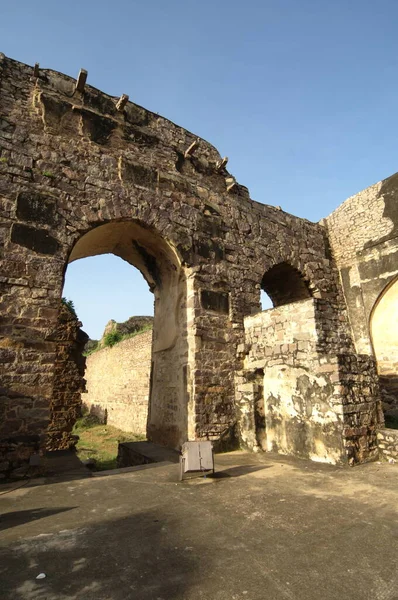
(298, 383)
(69, 382)
(289, 392)
(117, 383)
(363, 235)
(84, 173)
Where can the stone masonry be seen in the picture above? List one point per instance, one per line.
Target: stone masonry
(363, 236)
(84, 173)
(388, 444)
(302, 379)
(117, 381)
(300, 385)
(69, 381)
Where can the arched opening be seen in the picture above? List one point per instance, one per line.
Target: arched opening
(113, 302)
(384, 335)
(285, 392)
(105, 287)
(284, 284)
(159, 264)
(265, 301)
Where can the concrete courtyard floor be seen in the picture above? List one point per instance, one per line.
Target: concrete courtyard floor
(266, 527)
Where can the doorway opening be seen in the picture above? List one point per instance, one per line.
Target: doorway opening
(135, 378)
(113, 302)
(265, 300)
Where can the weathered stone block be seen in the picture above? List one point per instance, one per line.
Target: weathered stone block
(138, 174)
(38, 240)
(216, 301)
(38, 208)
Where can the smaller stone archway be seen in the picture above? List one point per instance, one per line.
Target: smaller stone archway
(383, 325)
(286, 361)
(159, 263)
(284, 284)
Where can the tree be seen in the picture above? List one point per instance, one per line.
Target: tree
(70, 306)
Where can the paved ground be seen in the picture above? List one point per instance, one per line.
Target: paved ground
(265, 529)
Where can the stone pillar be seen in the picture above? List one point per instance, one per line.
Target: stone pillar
(215, 361)
(69, 383)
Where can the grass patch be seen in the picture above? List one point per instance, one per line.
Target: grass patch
(100, 442)
(127, 336)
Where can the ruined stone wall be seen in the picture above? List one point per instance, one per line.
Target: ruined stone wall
(118, 383)
(388, 444)
(317, 402)
(69, 382)
(363, 234)
(79, 176)
(22, 419)
(303, 413)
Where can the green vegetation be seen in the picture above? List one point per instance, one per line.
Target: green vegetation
(3, 159)
(48, 174)
(112, 338)
(70, 306)
(126, 336)
(100, 442)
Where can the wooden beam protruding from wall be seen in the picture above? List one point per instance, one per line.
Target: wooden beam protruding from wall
(222, 163)
(231, 183)
(81, 81)
(191, 148)
(121, 103)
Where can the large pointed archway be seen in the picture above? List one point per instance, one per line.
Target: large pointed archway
(159, 263)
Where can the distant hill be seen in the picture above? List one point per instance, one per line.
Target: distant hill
(131, 326)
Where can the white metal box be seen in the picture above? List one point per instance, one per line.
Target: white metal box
(197, 456)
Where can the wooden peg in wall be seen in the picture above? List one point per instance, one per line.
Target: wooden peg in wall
(81, 81)
(121, 103)
(191, 148)
(231, 183)
(222, 163)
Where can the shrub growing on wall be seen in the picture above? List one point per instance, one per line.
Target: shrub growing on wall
(70, 306)
(112, 338)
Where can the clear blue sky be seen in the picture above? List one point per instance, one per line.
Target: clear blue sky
(301, 95)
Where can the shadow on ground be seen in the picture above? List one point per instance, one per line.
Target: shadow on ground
(273, 529)
(19, 517)
(134, 558)
(238, 471)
